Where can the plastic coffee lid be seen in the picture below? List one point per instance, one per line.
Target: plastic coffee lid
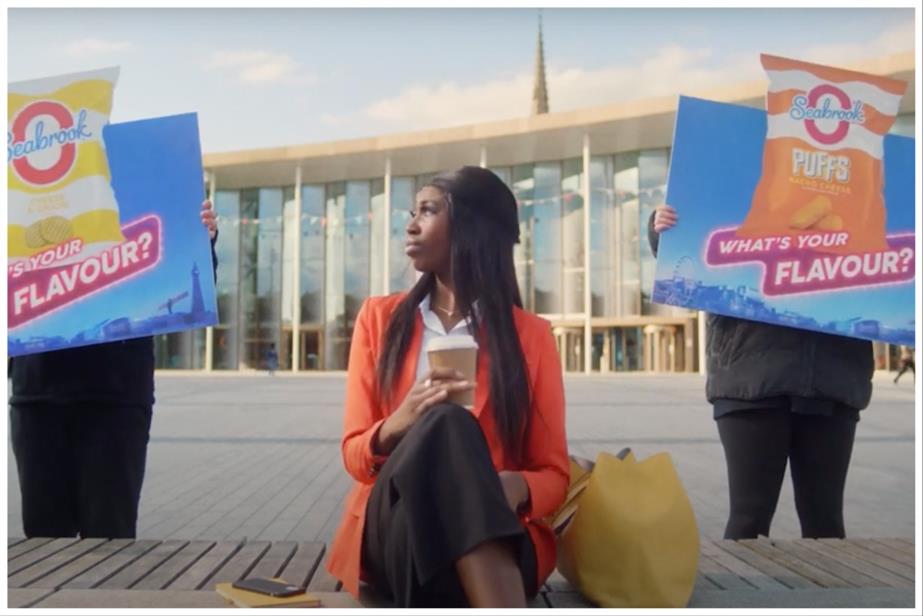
(451, 343)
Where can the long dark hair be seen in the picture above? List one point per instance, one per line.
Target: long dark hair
(483, 227)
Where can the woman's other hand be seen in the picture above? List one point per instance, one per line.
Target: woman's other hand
(209, 219)
(430, 391)
(664, 218)
(515, 488)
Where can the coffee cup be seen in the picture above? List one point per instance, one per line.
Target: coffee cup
(461, 353)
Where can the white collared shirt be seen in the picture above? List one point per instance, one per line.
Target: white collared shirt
(433, 328)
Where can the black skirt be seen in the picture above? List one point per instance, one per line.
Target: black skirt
(436, 498)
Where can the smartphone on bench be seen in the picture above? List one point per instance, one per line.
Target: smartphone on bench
(269, 587)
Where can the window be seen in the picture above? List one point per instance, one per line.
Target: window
(227, 249)
(402, 198)
(546, 238)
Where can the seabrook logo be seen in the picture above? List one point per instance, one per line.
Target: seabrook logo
(819, 104)
(29, 135)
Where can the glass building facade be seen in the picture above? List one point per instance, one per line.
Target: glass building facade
(297, 261)
(307, 264)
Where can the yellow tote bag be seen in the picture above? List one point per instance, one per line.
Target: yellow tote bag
(627, 535)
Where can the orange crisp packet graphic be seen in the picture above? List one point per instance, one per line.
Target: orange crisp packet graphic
(822, 169)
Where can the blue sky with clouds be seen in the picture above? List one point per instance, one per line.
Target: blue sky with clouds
(270, 77)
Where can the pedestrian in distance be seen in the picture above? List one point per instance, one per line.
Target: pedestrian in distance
(906, 363)
(272, 359)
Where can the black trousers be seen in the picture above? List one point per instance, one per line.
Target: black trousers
(436, 498)
(758, 444)
(80, 468)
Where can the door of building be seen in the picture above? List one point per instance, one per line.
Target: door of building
(663, 348)
(570, 348)
(311, 353)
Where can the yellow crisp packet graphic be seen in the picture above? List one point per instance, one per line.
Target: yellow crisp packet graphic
(57, 170)
(822, 161)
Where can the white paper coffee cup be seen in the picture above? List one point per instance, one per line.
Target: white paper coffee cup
(460, 352)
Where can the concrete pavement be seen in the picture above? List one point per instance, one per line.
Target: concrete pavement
(255, 456)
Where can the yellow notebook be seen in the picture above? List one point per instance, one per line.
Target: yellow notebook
(245, 598)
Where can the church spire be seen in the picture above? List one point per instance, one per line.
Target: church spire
(540, 90)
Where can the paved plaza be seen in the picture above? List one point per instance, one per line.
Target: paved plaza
(234, 456)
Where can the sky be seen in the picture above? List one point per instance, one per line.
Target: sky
(273, 77)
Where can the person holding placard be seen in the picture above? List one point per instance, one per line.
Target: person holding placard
(782, 396)
(80, 421)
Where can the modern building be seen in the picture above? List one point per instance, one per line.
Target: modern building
(309, 231)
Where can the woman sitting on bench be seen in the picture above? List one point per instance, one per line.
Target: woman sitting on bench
(448, 503)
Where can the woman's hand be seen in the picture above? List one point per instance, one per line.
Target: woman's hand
(664, 218)
(515, 488)
(209, 220)
(430, 391)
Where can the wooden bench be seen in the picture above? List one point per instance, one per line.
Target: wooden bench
(144, 573)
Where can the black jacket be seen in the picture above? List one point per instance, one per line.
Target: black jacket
(112, 373)
(749, 360)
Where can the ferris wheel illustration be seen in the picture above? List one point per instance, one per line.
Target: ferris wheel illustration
(684, 268)
(683, 282)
